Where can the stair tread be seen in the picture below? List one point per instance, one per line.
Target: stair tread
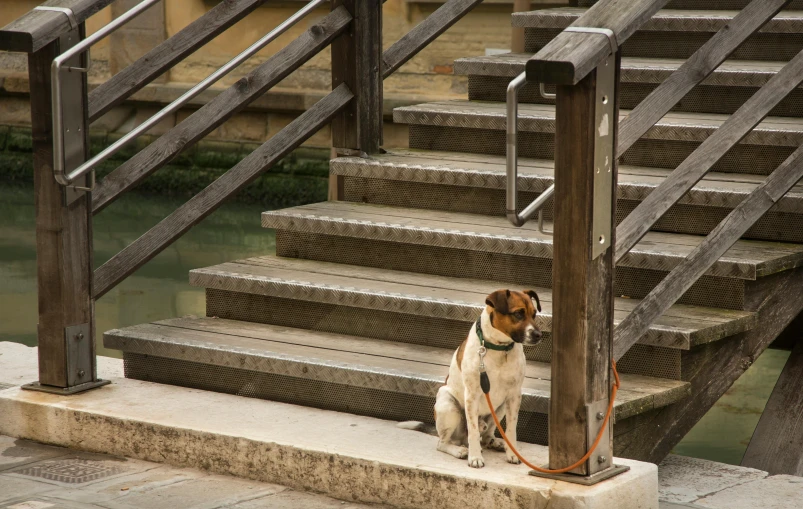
(535, 175)
(682, 326)
(679, 20)
(747, 259)
(338, 358)
(678, 125)
(753, 73)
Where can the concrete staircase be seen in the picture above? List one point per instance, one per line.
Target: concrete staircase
(367, 297)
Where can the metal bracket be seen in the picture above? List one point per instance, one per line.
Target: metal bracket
(584, 480)
(605, 116)
(65, 391)
(64, 10)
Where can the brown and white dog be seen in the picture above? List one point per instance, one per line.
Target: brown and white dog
(462, 419)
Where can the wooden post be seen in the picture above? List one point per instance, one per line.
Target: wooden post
(585, 183)
(517, 36)
(357, 62)
(66, 330)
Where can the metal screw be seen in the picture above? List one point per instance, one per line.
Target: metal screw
(601, 460)
(81, 373)
(79, 336)
(600, 416)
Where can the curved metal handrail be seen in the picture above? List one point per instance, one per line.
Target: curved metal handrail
(519, 218)
(58, 120)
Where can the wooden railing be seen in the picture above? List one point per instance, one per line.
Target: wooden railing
(67, 284)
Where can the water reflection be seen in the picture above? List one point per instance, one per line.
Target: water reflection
(159, 290)
(156, 291)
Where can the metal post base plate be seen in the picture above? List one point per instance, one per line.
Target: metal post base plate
(589, 480)
(65, 391)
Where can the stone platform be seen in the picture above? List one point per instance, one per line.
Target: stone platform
(351, 458)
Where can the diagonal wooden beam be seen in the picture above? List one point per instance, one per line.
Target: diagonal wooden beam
(220, 109)
(731, 229)
(714, 148)
(424, 33)
(164, 56)
(702, 63)
(204, 203)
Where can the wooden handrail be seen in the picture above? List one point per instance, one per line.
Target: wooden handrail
(569, 57)
(204, 203)
(164, 56)
(221, 108)
(714, 148)
(37, 29)
(694, 70)
(731, 229)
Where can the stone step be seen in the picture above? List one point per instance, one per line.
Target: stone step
(404, 297)
(675, 33)
(472, 183)
(724, 91)
(337, 372)
(353, 458)
(479, 127)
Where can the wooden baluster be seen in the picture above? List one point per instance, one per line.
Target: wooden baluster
(583, 268)
(66, 331)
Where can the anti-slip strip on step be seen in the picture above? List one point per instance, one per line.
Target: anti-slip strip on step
(535, 175)
(732, 73)
(348, 360)
(448, 298)
(656, 251)
(786, 22)
(540, 118)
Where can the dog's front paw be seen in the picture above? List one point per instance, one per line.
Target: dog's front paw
(496, 444)
(476, 462)
(512, 458)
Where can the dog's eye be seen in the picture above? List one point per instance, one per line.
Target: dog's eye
(519, 315)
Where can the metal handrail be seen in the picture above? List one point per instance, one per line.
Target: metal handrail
(512, 161)
(58, 120)
(519, 218)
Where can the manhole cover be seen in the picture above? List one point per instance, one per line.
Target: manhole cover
(71, 471)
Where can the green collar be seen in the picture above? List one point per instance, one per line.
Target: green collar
(492, 346)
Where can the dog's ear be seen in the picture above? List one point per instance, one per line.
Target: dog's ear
(534, 295)
(498, 301)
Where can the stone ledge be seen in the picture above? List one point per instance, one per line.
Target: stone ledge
(341, 455)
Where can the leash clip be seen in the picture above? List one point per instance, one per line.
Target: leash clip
(482, 351)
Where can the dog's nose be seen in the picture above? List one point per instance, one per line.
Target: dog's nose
(534, 337)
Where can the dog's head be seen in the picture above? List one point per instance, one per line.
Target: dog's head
(513, 313)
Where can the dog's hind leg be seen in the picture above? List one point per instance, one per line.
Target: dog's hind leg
(450, 424)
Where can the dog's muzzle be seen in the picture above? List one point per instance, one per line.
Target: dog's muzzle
(532, 336)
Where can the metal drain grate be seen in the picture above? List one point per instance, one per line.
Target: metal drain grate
(71, 470)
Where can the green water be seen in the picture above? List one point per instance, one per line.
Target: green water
(160, 290)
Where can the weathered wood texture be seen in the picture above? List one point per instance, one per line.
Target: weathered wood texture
(582, 293)
(221, 108)
(517, 36)
(714, 148)
(777, 443)
(204, 203)
(713, 368)
(730, 230)
(694, 70)
(357, 62)
(63, 237)
(424, 33)
(570, 56)
(36, 29)
(164, 56)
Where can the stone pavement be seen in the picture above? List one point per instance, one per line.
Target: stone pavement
(35, 476)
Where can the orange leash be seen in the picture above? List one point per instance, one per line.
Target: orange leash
(582, 460)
